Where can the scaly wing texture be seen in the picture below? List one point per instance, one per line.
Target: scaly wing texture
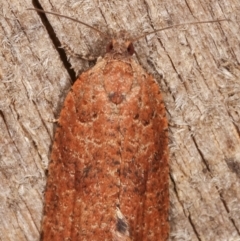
(110, 152)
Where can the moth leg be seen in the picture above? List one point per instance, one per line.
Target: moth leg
(71, 53)
(52, 120)
(175, 125)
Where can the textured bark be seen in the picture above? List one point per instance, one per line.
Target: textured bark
(198, 72)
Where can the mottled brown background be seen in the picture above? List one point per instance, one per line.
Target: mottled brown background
(197, 68)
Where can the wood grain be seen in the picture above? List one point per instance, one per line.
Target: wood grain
(198, 70)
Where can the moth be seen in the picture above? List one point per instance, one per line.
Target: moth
(109, 169)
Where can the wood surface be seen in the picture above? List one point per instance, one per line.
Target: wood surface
(198, 71)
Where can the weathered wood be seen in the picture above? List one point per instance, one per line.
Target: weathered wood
(198, 71)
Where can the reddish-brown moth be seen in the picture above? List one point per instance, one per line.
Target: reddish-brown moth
(108, 176)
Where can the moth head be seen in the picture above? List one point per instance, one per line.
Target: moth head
(120, 45)
(115, 46)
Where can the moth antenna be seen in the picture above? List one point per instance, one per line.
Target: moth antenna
(177, 25)
(73, 19)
